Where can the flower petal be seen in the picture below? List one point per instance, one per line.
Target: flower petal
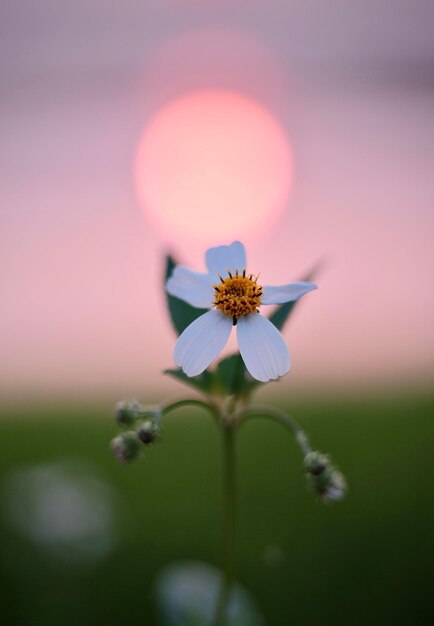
(285, 293)
(223, 258)
(192, 287)
(202, 341)
(262, 347)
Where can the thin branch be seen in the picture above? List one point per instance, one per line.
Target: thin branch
(180, 404)
(262, 410)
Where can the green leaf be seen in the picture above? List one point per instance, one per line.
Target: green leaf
(204, 382)
(229, 377)
(231, 374)
(233, 377)
(281, 314)
(181, 313)
(187, 595)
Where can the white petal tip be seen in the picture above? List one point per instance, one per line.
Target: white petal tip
(201, 342)
(280, 294)
(262, 348)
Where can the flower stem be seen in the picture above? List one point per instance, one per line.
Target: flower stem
(261, 410)
(180, 404)
(229, 503)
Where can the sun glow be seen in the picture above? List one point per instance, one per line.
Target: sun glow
(213, 164)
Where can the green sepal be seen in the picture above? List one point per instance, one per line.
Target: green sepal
(181, 313)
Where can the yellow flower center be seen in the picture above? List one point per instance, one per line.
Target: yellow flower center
(238, 295)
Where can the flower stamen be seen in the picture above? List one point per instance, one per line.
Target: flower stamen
(237, 295)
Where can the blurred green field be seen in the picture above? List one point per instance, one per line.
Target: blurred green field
(367, 560)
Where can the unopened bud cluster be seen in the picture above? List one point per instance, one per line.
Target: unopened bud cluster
(127, 412)
(126, 446)
(144, 427)
(323, 477)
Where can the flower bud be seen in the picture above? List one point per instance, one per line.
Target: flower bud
(336, 488)
(154, 414)
(316, 463)
(324, 479)
(128, 411)
(148, 432)
(126, 446)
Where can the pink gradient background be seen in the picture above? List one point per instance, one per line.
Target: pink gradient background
(81, 264)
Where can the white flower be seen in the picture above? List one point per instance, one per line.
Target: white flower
(233, 297)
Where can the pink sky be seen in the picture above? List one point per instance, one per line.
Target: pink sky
(81, 262)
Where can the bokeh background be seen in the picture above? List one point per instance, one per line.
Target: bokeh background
(133, 129)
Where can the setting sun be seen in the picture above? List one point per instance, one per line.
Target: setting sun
(213, 164)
